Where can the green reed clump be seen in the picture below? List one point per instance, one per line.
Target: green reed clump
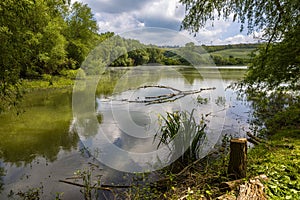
(180, 131)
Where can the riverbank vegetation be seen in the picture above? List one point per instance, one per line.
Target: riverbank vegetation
(277, 158)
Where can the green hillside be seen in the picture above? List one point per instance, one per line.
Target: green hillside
(238, 54)
(235, 52)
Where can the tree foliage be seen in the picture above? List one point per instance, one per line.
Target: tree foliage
(41, 37)
(279, 67)
(81, 32)
(272, 80)
(274, 17)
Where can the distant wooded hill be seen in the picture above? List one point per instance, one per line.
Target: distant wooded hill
(190, 54)
(118, 51)
(235, 54)
(231, 54)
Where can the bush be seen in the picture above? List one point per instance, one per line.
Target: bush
(46, 77)
(288, 118)
(73, 74)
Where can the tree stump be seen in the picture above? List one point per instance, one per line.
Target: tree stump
(238, 158)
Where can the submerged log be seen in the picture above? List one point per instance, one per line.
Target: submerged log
(81, 185)
(238, 158)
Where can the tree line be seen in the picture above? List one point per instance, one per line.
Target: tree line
(118, 51)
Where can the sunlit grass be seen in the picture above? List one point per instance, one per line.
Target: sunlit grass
(279, 160)
(236, 52)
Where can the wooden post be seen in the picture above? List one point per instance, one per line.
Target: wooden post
(238, 158)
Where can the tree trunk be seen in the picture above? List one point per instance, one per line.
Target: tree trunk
(238, 158)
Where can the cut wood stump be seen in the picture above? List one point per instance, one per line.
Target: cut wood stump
(250, 190)
(238, 158)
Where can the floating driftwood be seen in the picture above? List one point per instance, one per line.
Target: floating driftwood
(81, 185)
(159, 86)
(102, 187)
(173, 96)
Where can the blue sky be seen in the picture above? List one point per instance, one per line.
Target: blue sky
(125, 15)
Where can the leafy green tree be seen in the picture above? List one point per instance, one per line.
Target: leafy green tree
(54, 45)
(279, 67)
(44, 44)
(155, 55)
(81, 32)
(120, 53)
(139, 56)
(275, 17)
(12, 15)
(41, 37)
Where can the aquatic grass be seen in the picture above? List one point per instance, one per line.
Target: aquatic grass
(170, 129)
(181, 133)
(220, 101)
(34, 193)
(85, 175)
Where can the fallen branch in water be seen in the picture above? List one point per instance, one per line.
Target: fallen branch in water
(159, 86)
(81, 185)
(102, 187)
(173, 96)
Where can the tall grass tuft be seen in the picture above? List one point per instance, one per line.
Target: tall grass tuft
(181, 133)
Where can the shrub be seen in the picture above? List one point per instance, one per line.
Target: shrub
(73, 74)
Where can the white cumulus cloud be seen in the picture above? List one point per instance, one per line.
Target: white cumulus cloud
(123, 15)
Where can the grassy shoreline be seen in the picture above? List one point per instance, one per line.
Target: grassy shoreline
(39, 84)
(278, 159)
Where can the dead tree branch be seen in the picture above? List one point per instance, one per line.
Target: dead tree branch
(170, 97)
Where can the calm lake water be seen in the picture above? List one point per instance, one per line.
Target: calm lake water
(44, 144)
